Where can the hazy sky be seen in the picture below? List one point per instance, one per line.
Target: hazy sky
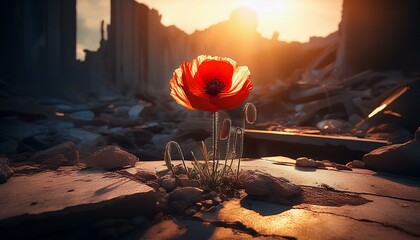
(295, 20)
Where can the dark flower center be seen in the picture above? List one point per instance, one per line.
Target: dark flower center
(214, 87)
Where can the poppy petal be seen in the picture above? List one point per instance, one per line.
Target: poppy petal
(231, 101)
(212, 69)
(240, 75)
(177, 91)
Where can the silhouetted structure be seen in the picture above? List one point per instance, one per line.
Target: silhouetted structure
(38, 42)
(379, 35)
(143, 52)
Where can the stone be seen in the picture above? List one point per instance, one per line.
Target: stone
(68, 150)
(84, 115)
(53, 162)
(153, 184)
(306, 162)
(210, 195)
(26, 169)
(184, 197)
(191, 211)
(138, 136)
(5, 172)
(208, 203)
(86, 140)
(397, 158)
(217, 200)
(356, 164)
(342, 167)
(274, 189)
(332, 125)
(111, 158)
(144, 176)
(326, 163)
(135, 111)
(168, 182)
(4, 160)
(186, 182)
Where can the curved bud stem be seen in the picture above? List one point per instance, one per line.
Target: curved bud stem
(168, 158)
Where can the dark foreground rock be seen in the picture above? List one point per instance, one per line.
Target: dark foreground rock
(397, 158)
(184, 197)
(274, 189)
(111, 158)
(5, 172)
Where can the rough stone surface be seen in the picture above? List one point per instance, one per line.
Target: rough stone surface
(397, 158)
(144, 176)
(356, 164)
(54, 162)
(184, 197)
(305, 162)
(26, 169)
(5, 172)
(69, 191)
(274, 189)
(111, 158)
(342, 167)
(69, 150)
(168, 182)
(4, 160)
(186, 182)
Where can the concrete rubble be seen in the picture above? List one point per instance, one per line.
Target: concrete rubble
(93, 203)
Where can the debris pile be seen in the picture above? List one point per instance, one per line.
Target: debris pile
(315, 100)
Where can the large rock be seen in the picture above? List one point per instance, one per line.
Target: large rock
(68, 150)
(274, 189)
(5, 172)
(397, 158)
(168, 182)
(111, 158)
(306, 162)
(184, 197)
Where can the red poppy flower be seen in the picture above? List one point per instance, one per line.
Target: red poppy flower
(210, 83)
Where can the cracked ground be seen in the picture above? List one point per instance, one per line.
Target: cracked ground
(357, 204)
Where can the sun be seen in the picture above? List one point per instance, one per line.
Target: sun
(264, 6)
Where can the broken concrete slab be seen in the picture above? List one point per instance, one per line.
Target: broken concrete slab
(350, 142)
(302, 223)
(70, 193)
(357, 181)
(389, 212)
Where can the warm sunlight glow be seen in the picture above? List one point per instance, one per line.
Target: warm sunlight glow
(294, 20)
(264, 6)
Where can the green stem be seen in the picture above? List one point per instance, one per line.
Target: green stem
(215, 147)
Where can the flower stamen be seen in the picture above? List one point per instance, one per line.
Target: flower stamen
(214, 87)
